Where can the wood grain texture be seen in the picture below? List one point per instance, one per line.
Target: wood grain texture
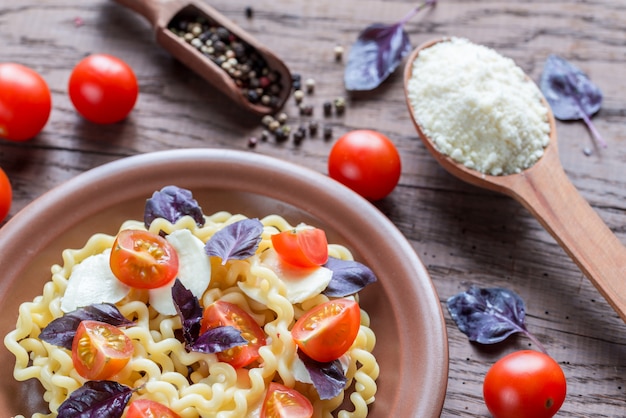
(464, 235)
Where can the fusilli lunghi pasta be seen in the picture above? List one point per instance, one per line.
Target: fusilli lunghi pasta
(195, 384)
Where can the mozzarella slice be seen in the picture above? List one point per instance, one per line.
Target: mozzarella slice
(300, 283)
(194, 271)
(91, 282)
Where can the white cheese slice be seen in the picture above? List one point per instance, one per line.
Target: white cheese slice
(300, 283)
(92, 281)
(194, 271)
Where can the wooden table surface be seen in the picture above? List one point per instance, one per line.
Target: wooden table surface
(464, 235)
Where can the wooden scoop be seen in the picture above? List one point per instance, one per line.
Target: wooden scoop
(551, 198)
(160, 13)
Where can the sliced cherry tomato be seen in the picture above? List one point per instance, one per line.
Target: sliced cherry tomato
(143, 260)
(328, 330)
(221, 313)
(6, 195)
(367, 162)
(103, 88)
(302, 246)
(524, 384)
(146, 408)
(100, 350)
(25, 102)
(283, 402)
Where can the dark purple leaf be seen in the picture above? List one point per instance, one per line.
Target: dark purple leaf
(61, 331)
(218, 339)
(377, 53)
(189, 310)
(328, 378)
(570, 93)
(172, 203)
(237, 241)
(349, 277)
(96, 399)
(488, 316)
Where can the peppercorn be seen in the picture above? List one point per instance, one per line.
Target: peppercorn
(265, 135)
(306, 110)
(328, 132)
(282, 118)
(267, 119)
(340, 105)
(273, 126)
(281, 135)
(298, 137)
(310, 85)
(328, 108)
(298, 95)
(252, 141)
(338, 53)
(313, 128)
(249, 12)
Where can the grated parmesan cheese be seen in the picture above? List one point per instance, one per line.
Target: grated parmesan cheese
(478, 107)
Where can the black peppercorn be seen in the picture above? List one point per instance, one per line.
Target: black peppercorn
(249, 12)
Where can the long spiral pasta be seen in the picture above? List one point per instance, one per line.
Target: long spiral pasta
(193, 384)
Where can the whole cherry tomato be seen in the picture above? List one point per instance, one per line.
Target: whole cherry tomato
(103, 88)
(524, 384)
(100, 350)
(367, 162)
(327, 331)
(25, 102)
(6, 195)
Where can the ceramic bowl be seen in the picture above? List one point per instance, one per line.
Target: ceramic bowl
(404, 307)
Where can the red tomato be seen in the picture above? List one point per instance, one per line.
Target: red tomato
(146, 408)
(100, 350)
(221, 313)
(327, 331)
(304, 247)
(367, 162)
(25, 102)
(524, 384)
(6, 195)
(103, 88)
(283, 402)
(143, 260)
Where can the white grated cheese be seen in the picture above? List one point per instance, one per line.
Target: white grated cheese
(478, 107)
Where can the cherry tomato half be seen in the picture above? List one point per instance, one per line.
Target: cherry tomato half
(327, 331)
(146, 408)
(524, 384)
(283, 402)
(6, 195)
(103, 88)
(143, 260)
(221, 313)
(304, 247)
(367, 162)
(100, 350)
(25, 102)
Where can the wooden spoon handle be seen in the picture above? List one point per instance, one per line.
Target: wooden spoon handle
(548, 194)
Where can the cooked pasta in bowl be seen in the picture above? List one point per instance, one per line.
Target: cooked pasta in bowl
(215, 283)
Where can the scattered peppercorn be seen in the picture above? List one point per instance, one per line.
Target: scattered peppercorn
(252, 141)
(282, 118)
(249, 12)
(340, 105)
(273, 126)
(338, 53)
(328, 108)
(298, 95)
(328, 132)
(313, 128)
(310, 85)
(296, 81)
(298, 137)
(265, 135)
(306, 110)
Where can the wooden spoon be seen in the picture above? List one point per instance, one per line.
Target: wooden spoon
(552, 199)
(161, 12)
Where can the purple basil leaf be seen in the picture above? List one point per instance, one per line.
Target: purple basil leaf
(189, 310)
(570, 93)
(349, 277)
(488, 316)
(96, 399)
(61, 331)
(377, 52)
(237, 241)
(218, 339)
(172, 203)
(328, 378)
